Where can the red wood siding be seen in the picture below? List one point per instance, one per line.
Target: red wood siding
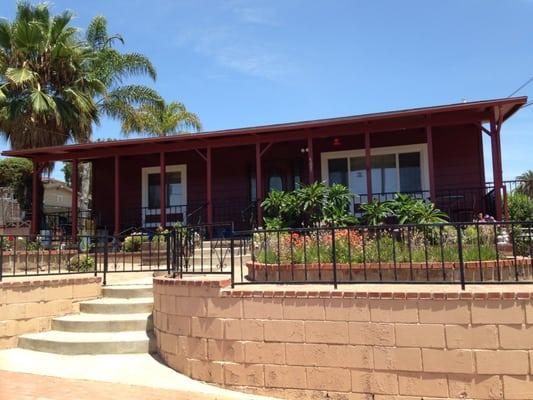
(457, 158)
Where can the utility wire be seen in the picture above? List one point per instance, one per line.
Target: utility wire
(521, 87)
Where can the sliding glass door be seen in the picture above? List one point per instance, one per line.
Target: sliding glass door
(401, 169)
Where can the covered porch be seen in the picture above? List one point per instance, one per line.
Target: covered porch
(433, 153)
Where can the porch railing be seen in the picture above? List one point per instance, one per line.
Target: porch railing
(451, 253)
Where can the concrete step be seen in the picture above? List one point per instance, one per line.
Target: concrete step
(110, 305)
(60, 342)
(127, 291)
(103, 322)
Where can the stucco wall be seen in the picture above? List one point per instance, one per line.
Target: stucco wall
(29, 306)
(407, 343)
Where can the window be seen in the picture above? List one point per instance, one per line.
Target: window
(394, 169)
(174, 189)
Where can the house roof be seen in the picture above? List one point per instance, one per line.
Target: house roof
(459, 113)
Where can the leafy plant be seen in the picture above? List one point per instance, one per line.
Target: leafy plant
(520, 207)
(81, 263)
(312, 205)
(376, 212)
(134, 242)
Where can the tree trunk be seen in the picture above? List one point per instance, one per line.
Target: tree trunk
(85, 194)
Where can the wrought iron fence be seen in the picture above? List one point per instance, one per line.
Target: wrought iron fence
(431, 253)
(451, 253)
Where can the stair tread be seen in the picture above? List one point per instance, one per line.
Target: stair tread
(119, 300)
(87, 317)
(88, 337)
(128, 287)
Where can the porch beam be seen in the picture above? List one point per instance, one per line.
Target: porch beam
(162, 190)
(277, 137)
(202, 155)
(431, 165)
(368, 167)
(258, 183)
(310, 158)
(35, 199)
(74, 204)
(266, 148)
(209, 184)
(117, 196)
(496, 167)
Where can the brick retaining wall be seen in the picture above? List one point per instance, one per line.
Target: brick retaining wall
(28, 306)
(306, 342)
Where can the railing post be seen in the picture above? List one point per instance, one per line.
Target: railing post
(232, 260)
(106, 258)
(334, 257)
(460, 254)
(168, 241)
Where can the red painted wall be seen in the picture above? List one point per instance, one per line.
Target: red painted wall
(457, 159)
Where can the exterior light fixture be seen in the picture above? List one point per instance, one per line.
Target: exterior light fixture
(336, 141)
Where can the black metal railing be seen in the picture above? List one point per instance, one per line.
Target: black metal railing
(449, 253)
(431, 253)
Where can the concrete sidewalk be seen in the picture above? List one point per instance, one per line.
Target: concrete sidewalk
(123, 369)
(20, 386)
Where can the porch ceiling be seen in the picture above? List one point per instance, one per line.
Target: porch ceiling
(452, 114)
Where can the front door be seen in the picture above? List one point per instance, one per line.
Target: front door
(176, 193)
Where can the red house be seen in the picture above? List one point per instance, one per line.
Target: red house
(434, 153)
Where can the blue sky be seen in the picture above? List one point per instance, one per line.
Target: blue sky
(238, 63)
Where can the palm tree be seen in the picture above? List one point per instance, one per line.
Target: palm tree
(526, 184)
(46, 91)
(120, 101)
(172, 118)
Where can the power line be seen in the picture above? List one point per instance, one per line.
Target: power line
(521, 86)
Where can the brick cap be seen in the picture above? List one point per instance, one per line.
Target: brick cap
(407, 292)
(210, 281)
(36, 282)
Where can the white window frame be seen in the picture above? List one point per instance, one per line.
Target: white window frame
(377, 151)
(144, 182)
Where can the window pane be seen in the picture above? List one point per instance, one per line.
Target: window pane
(384, 174)
(275, 183)
(338, 171)
(174, 189)
(153, 190)
(357, 175)
(410, 180)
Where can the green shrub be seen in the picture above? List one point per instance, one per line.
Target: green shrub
(81, 263)
(312, 205)
(134, 242)
(520, 207)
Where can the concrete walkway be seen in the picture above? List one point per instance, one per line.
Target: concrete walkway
(125, 369)
(19, 386)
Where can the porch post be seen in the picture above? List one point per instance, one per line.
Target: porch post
(209, 183)
(368, 168)
(162, 190)
(74, 204)
(496, 166)
(117, 195)
(429, 139)
(35, 199)
(258, 183)
(310, 157)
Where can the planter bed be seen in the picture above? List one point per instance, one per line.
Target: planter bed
(401, 271)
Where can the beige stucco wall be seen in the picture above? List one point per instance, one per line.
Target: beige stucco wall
(57, 196)
(350, 344)
(29, 306)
